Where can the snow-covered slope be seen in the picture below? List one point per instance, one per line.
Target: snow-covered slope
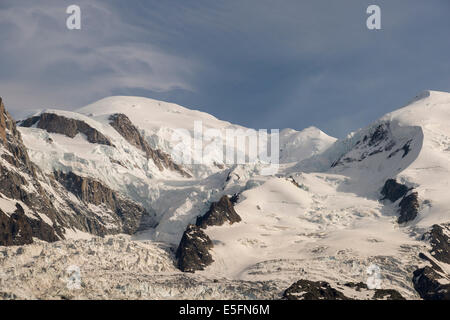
(159, 121)
(173, 199)
(325, 220)
(299, 145)
(335, 211)
(411, 144)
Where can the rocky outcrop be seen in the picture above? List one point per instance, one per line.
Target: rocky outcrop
(377, 294)
(19, 229)
(128, 213)
(193, 251)
(439, 239)
(55, 123)
(387, 294)
(378, 135)
(321, 290)
(433, 282)
(312, 290)
(19, 181)
(12, 142)
(378, 140)
(392, 190)
(122, 124)
(219, 212)
(14, 230)
(408, 206)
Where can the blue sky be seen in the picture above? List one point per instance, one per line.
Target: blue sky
(258, 63)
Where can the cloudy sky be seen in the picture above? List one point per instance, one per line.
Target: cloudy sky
(258, 63)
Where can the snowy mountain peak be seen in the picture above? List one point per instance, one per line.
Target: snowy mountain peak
(433, 94)
(150, 114)
(334, 209)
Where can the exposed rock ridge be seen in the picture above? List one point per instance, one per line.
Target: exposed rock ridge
(122, 124)
(193, 250)
(433, 282)
(19, 182)
(322, 290)
(128, 213)
(377, 141)
(11, 139)
(312, 290)
(408, 206)
(219, 212)
(55, 123)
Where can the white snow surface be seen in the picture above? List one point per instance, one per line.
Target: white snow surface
(174, 200)
(319, 218)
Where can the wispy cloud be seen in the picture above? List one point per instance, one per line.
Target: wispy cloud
(43, 63)
(258, 63)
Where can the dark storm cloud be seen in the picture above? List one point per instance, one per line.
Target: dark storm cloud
(260, 63)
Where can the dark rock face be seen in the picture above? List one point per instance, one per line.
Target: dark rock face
(378, 140)
(19, 229)
(312, 290)
(387, 294)
(14, 230)
(321, 290)
(406, 148)
(93, 191)
(409, 208)
(122, 124)
(16, 180)
(29, 122)
(393, 190)
(54, 123)
(234, 198)
(358, 286)
(409, 205)
(427, 283)
(11, 140)
(126, 129)
(379, 294)
(220, 212)
(440, 242)
(432, 282)
(380, 134)
(193, 251)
